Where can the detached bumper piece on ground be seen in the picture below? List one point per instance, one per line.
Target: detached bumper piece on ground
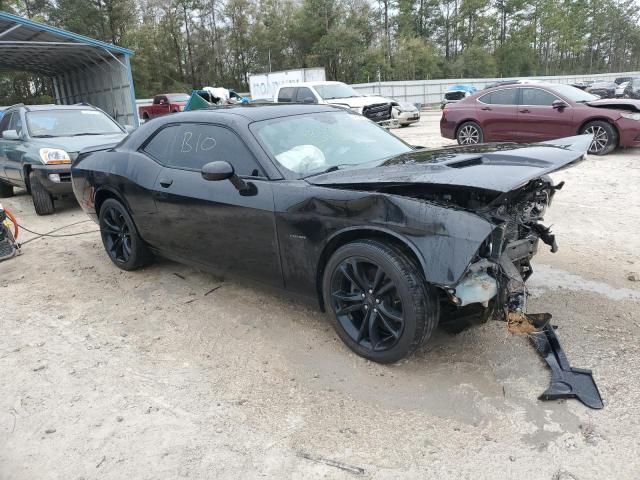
(566, 381)
(8, 246)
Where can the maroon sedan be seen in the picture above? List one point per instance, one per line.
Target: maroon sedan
(537, 112)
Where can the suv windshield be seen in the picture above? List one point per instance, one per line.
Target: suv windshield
(335, 90)
(573, 93)
(313, 143)
(70, 123)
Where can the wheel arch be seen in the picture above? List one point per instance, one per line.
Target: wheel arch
(348, 235)
(105, 192)
(600, 119)
(462, 122)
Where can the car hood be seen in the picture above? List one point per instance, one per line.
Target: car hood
(359, 102)
(75, 144)
(496, 167)
(616, 104)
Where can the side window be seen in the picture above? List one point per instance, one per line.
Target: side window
(4, 123)
(305, 95)
(506, 96)
(535, 96)
(156, 100)
(285, 94)
(192, 145)
(16, 123)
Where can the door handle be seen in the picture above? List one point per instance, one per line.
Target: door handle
(486, 108)
(525, 110)
(166, 182)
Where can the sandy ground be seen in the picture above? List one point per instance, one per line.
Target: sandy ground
(111, 375)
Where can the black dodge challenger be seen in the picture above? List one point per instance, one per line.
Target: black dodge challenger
(390, 239)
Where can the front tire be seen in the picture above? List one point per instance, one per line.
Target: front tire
(120, 237)
(6, 190)
(605, 137)
(469, 133)
(380, 305)
(42, 200)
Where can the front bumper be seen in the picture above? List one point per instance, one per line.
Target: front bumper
(56, 179)
(406, 118)
(629, 132)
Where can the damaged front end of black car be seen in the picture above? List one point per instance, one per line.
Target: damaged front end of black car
(510, 188)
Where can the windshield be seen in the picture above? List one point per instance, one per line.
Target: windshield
(335, 90)
(182, 97)
(573, 93)
(313, 143)
(70, 123)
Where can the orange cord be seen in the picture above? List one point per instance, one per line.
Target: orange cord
(16, 229)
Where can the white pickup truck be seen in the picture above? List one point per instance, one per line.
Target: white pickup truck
(373, 107)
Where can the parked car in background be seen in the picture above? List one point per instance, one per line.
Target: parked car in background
(538, 112)
(632, 90)
(582, 84)
(39, 142)
(163, 104)
(373, 107)
(405, 113)
(321, 202)
(602, 89)
(621, 85)
(455, 93)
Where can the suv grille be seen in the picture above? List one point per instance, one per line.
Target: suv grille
(378, 112)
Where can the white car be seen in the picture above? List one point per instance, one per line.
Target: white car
(406, 113)
(373, 107)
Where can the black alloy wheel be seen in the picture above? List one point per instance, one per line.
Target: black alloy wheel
(120, 237)
(367, 304)
(382, 307)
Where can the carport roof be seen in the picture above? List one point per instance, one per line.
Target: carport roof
(31, 46)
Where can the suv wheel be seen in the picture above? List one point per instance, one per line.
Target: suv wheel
(6, 190)
(469, 133)
(42, 200)
(120, 237)
(605, 137)
(381, 306)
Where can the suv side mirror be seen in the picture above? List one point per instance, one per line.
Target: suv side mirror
(559, 105)
(10, 135)
(221, 170)
(309, 100)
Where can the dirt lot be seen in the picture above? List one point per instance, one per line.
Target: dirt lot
(111, 375)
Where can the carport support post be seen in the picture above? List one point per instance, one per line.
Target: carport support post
(134, 109)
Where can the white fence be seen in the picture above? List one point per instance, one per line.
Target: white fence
(431, 92)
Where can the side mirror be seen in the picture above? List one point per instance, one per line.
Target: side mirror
(214, 171)
(221, 170)
(559, 105)
(10, 135)
(309, 100)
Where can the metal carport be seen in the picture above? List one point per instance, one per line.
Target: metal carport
(82, 69)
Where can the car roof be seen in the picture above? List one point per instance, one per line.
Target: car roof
(51, 106)
(311, 84)
(262, 111)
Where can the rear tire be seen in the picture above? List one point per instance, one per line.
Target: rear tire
(6, 190)
(120, 237)
(605, 137)
(42, 200)
(382, 318)
(469, 133)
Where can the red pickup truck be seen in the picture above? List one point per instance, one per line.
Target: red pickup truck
(163, 104)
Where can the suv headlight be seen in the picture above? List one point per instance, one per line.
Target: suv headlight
(54, 156)
(631, 116)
